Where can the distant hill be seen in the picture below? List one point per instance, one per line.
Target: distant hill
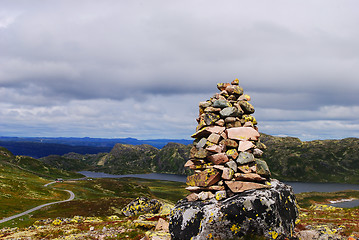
(40, 147)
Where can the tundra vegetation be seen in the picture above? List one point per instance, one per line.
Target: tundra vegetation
(96, 210)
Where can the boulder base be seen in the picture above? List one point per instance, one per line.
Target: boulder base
(267, 212)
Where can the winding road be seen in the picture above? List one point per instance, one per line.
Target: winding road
(72, 196)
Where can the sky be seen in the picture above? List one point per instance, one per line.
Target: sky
(118, 68)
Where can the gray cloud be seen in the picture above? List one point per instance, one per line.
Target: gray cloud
(297, 59)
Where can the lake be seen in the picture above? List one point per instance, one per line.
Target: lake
(298, 187)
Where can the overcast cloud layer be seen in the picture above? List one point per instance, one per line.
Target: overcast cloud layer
(139, 68)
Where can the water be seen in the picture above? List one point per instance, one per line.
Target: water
(298, 187)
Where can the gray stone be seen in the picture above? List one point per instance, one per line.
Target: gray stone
(262, 168)
(221, 104)
(229, 112)
(201, 143)
(245, 157)
(269, 212)
(232, 165)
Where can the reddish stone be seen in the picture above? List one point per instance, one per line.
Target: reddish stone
(219, 158)
(220, 122)
(245, 168)
(222, 86)
(206, 131)
(232, 153)
(204, 178)
(245, 145)
(238, 186)
(214, 148)
(192, 197)
(242, 133)
(248, 177)
(230, 143)
(227, 174)
(189, 163)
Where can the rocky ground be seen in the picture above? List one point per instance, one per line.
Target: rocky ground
(318, 221)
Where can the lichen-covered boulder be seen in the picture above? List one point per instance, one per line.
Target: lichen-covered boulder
(269, 212)
(142, 205)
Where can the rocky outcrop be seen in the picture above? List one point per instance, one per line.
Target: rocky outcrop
(268, 212)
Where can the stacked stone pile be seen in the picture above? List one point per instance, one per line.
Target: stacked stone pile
(227, 150)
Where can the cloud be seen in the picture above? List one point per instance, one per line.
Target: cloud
(298, 60)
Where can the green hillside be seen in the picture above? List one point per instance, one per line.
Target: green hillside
(313, 161)
(21, 189)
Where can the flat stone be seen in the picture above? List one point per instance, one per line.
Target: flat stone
(214, 138)
(257, 152)
(205, 195)
(219, 158)
(262, 168)
(206, 131)
(224, 135)
(230, 143)
(189, 163)
(230, 119)
(232, 153)
(192, 197)
(227, 174)
(248, 177)
(229, 112)
(211, 118)
(222, 86)
(238, 186)
(212, 109)
(244, 97)
(219, 167)
(205, 104)
(221, 104)
(201, 143)
(214, 148)
(245, 157)
(245, 145)
(245, 168)
(193, 188)
(205, 178)
(232, 165)
(246, 107)
(242, 133)
(220, 122)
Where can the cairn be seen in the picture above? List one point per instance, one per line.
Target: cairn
(226, 151)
